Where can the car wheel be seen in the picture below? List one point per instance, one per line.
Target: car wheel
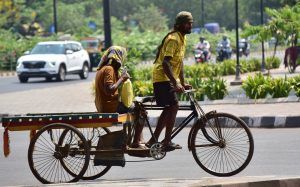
(84, 72)
(23, 79)
(61, 76)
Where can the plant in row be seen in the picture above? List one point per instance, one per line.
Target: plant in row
(258, 86)
(213, 88)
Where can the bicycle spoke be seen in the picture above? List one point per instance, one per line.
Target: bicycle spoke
(224, 146)
(50, 147)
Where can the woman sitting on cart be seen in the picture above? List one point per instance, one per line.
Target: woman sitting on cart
(108, 81)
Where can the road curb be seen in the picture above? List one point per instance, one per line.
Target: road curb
(7, 73)
(253, 121)
(245, 101)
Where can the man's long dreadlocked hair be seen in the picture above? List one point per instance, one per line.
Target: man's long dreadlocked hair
(175, 29)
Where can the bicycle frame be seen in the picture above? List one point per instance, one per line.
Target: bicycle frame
(196, 112)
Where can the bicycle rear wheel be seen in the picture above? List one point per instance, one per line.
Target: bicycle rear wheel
(47, 150)
(223, 146)
(93, 135)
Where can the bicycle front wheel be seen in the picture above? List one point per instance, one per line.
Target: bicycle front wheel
(223, 146)
(93, 135)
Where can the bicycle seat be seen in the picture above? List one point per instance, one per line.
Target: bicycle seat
(145, 99)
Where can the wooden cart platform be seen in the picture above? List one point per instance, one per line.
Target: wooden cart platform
(33, 122)
(78, 120)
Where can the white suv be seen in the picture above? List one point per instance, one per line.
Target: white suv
(54, 59)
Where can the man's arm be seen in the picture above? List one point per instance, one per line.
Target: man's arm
(181, 77)
(168, 71)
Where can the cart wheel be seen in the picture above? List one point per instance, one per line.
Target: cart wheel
(291, 65)
(223, 146)
(47, 152)
(93, 135)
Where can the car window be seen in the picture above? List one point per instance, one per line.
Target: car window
(69, 47)
(48, 49)
(76, 47)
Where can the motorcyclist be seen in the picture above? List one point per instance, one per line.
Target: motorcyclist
(225, 44)
(204, 46)
(244, 46)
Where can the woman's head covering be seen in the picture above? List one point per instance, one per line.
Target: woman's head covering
(116, 53)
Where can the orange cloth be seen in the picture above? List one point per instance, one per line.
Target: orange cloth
(104, 101)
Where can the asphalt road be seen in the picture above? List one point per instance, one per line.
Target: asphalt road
(12, 83)
(276, 153)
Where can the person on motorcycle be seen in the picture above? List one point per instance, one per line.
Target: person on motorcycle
(224, 44)
(244, 47)
(204, 46)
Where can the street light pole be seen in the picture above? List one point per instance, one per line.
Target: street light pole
(263, 64)
(54, 16)
(107, 26)
(237, 80)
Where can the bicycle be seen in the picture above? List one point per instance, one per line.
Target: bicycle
(221, 143)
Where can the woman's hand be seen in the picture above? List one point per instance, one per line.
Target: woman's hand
(124, 76)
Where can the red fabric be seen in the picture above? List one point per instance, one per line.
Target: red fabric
(6, 149)
(293, 53)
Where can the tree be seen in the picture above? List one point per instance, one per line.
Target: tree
(284, 25)
(150, 19)
(8, 14)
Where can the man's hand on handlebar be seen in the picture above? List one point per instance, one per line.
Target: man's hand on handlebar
(181, 88)
(187, 87)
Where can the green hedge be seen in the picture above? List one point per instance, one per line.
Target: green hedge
(258, 86)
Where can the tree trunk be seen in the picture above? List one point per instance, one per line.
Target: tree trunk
(275, 48)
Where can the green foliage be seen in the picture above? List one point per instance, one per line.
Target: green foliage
(150, 19)
(272, 62)
(280, 87)
(10, 51)
(215, 88)
(198, 85)
(144, 44)
(295, 83)
(143, 73)
(256, 87)
(228, 67)
(284, 25)
(142, 88)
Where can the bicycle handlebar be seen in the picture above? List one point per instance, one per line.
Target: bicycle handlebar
(189, 91)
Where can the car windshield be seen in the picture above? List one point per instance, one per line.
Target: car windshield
(48, 49)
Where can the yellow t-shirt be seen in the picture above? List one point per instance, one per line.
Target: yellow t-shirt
(174, 46)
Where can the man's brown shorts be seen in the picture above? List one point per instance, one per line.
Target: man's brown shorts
(164, 95)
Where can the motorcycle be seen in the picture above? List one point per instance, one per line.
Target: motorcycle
(200, 56)
(244, 48)
(224, 52)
